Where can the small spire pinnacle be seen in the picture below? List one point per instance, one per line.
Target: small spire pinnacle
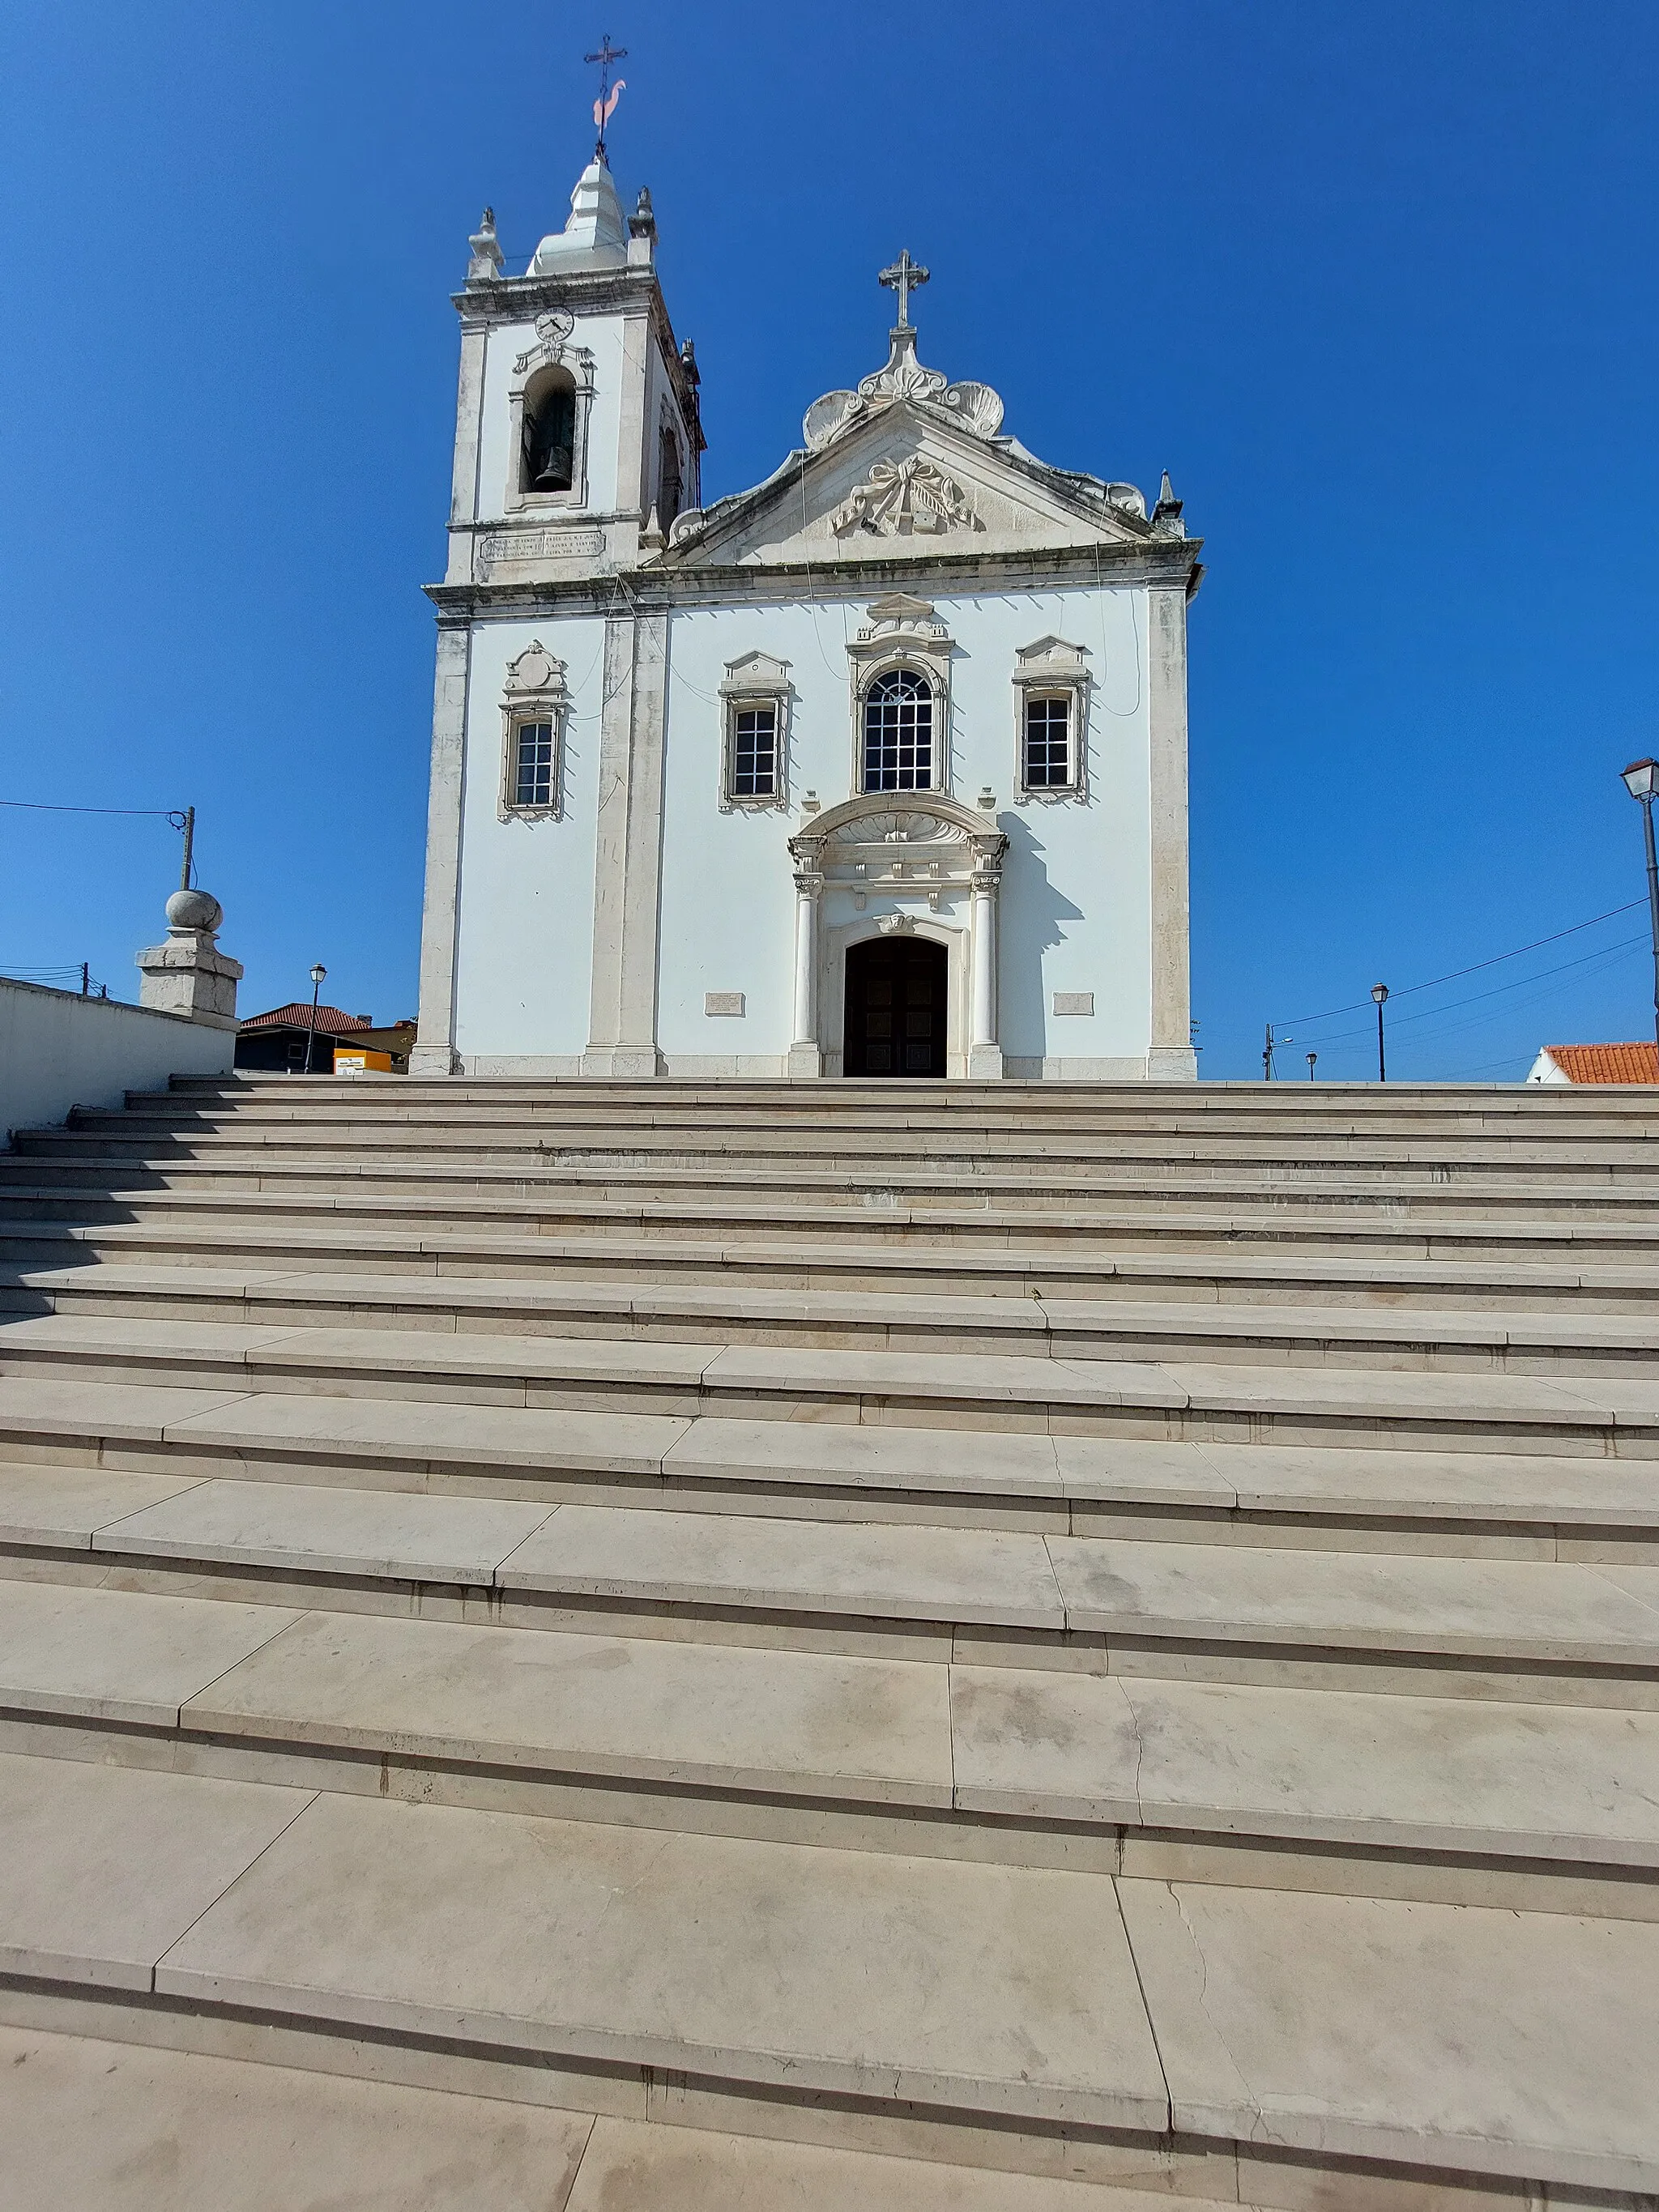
(1166, 515)
(486, 262)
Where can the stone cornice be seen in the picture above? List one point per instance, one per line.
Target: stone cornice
(1172, 563)
(495, 301)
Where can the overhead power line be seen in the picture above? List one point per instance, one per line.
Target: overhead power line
(156, 813)
(1363, 1006)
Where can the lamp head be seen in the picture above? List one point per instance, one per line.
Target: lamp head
(1379, 992)
(1640, 778)
(319, 972)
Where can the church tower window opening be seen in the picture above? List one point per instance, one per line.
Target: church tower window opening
(1048, 744)
(670, 479)
(898, 733)
(549, 460)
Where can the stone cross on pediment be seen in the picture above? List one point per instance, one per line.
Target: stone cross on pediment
(904, 278)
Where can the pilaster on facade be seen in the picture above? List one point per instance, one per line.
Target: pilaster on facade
(435, 1054)
(1169, 1053)
(627, 863)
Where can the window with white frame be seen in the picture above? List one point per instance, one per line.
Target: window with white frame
(1051, 721)
(898, 733)
(532, 764)
(533, 706)
(755, 703)
(755, 751)
(1049, 742)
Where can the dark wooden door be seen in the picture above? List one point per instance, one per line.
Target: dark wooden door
(895, 1007)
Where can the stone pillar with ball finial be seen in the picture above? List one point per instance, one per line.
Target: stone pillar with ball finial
(188, 975)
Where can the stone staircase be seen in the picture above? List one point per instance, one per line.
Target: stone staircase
(646, 1647)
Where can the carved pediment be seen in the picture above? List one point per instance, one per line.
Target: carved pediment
(536, 670)
(761, 672)
(909, 828)
(902, 499)
(900, 479)
(972, 407)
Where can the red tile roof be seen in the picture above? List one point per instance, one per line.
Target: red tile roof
(297, 1015)
(1607, 1063)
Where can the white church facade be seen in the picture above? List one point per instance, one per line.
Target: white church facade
(877, 769)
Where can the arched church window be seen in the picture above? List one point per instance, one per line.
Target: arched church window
(671, 484)
(549, 434)
(898, 733)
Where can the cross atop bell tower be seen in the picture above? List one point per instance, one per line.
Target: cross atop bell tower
(604, 106)
(904, 278)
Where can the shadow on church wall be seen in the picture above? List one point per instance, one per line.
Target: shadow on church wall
(1032, 922)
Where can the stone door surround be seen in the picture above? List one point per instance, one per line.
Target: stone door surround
(898, 846)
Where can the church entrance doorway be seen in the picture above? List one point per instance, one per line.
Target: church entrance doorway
(896, 997)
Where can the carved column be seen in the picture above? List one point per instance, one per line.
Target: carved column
(984, 1053)
(804, 1056)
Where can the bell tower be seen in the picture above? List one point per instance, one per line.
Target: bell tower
(577, 437)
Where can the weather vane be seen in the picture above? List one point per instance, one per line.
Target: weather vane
(605, 106)
(904, 278)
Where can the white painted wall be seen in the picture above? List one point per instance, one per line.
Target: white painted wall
(524, 961)
(58, 1050)
(1075, 902)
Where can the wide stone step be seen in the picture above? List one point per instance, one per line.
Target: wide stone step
(1360, 1105)
(1455, 1503)
(1561, 1628)
(503, 1142)
(428, 1193)
(24, 1219)
(1561, 1341)
(1162, 1270)
(1408, 1795)
(1471, 2039)
(298, 2141)
(1172, 1399)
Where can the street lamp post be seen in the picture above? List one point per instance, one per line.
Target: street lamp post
(1641, 778)
(317, 975)
(1380, 993)
(1311, 1058)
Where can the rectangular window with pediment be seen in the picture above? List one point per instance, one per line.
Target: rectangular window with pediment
(754, 707)
(1051, 721)
(534, 703)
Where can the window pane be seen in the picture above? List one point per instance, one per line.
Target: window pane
(1047, 745)
(898, 733)
(533, 765)
(755, 752)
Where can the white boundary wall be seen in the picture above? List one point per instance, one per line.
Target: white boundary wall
(58, 1050)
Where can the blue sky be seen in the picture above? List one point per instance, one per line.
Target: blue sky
(1375, 284)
